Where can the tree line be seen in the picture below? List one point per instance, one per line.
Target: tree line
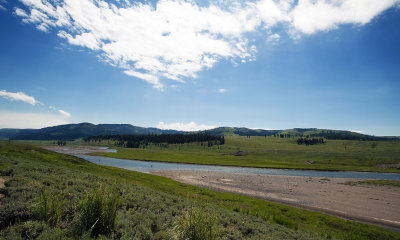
(135, 141)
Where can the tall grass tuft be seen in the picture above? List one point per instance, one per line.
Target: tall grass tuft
(99, 212)
(196, 224)
(49, 207)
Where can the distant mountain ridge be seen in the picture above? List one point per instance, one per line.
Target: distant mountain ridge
(82, 130)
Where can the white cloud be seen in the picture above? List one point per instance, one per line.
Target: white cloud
(2, 8)
(221, 90)
(64, 113)
(173, 40)
(29, 120)
(191, 126)
(273, 12)
(273, 38)
(310, 16)
(18, 96)
(357, 131)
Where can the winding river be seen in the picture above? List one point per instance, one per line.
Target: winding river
(148, 166)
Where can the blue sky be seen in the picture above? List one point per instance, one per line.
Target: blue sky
(194, 65)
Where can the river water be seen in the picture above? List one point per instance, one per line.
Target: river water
(147, 166)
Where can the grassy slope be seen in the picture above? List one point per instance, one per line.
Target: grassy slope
(150, 204)
(277, 153)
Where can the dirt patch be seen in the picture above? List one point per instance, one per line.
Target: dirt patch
(379, 205)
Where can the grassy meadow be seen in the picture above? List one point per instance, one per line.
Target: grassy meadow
(49, 195)
(273, 152)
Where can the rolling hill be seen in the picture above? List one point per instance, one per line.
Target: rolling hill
(81, 130)
(75, 131)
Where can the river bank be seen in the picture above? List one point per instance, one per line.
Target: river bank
(374, 204)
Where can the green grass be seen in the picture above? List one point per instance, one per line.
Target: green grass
(99, 212)
(48, 207)
(275, 153)
(391, 183)
(196, 224)
(149, 205)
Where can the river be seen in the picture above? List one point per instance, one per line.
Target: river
(148, 166)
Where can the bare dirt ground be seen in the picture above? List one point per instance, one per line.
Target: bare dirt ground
(379, 205)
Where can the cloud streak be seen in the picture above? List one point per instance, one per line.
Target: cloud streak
(191, 126)
(18, 96)
(64, 113)
(173, 40)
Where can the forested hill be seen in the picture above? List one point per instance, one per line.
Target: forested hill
(75, 131)
(332, 134)
(296, 132)
(7, 133)
(83, 130)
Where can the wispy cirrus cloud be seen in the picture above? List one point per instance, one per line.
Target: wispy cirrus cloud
(18, 96)
(173, 40)
(64, 113)
(191, 126)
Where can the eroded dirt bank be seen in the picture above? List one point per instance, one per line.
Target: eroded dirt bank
(378, 205)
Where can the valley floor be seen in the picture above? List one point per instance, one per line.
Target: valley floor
(374, 204)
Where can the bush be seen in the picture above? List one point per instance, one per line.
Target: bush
(48, 207)
(196, 224)
(99, 212)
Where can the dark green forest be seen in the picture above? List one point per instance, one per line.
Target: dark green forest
(135, 141)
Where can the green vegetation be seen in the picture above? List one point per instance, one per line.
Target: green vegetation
(196, 224)
(136, 141)
(48, 207)
(273, 152)
(99, 212)
(150, 206)
(391, 183)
